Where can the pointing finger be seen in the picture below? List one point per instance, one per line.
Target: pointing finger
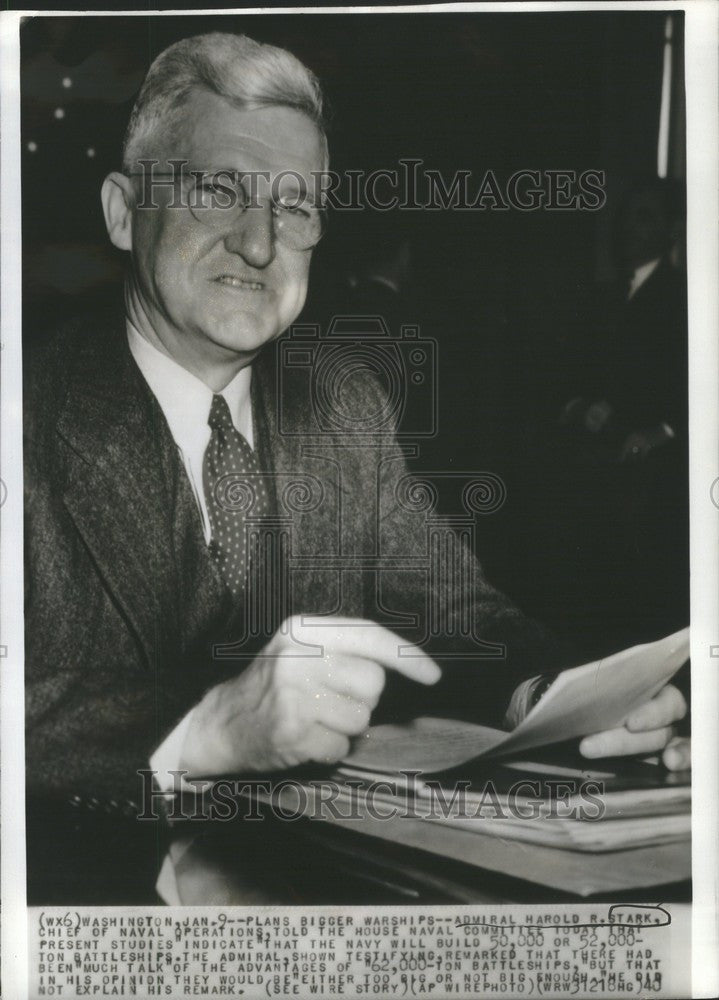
(362, 638)
(353, 676)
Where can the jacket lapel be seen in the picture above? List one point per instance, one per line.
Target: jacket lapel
(127, 497)
(117, 492)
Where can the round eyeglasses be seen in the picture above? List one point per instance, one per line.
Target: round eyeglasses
(220, 199)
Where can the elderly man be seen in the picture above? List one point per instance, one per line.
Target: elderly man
(140, 571)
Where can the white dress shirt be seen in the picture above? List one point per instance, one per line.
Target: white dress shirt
(185, 401)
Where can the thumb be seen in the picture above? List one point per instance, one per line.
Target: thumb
(677, 755)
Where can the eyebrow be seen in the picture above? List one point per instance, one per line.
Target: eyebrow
(211, 171)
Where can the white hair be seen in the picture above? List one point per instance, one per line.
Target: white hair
(248, 74)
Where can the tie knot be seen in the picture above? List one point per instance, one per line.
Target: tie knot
(220, 418)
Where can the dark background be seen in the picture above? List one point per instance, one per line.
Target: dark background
(509, 296)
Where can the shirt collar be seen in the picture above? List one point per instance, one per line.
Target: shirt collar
(184, 399)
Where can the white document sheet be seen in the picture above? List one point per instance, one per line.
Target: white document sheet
(582, 700)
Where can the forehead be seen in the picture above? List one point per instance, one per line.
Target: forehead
(218, 135)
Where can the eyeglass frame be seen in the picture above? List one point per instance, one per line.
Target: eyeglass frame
(237, 177)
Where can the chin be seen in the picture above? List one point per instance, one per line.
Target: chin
(244, 337)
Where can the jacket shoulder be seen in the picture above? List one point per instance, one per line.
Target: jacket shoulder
(51, 359)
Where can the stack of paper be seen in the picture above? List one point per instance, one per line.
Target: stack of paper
(591, 698)
(639, 837)
(629, 818)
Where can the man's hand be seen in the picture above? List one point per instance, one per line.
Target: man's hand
(292, 704)
(646, 730)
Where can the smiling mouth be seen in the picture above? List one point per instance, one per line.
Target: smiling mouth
(230, 281)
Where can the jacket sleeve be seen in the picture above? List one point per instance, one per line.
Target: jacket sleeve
(94, 712)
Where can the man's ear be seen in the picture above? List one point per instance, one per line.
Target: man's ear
(117, 196)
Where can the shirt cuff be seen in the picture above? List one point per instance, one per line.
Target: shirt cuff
(168, 755)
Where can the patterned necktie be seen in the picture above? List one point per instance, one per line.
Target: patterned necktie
(233, 489)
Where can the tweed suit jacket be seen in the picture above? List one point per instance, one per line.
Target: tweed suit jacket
(125, 608)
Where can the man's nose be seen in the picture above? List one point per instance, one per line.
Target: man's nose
(252, 237)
